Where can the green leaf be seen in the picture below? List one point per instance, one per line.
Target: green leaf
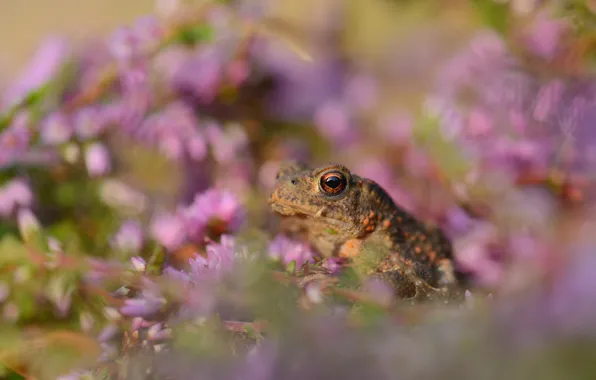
(291, 268)
(445, 154)
(494, 14)
(195, 34)
(66, 231)
(12, 251)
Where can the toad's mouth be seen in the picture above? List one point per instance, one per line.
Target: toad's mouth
(298, 212)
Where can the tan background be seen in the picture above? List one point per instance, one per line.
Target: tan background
(25, 23)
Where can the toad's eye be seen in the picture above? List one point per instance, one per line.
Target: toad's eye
(333, 183)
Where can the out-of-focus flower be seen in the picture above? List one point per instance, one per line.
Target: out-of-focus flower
(97, 159)
(55, 129)
(14, 194)
(129, 237)
(77, 375)
(42, 68)
(14, 141)
(570, 303)
(167, 7)
(361, 92)
(169, 230)
(473, 253)
(301, 86)
(138, 263)
(379, 291)
(227, 143)
(158, 332)
(396, 128)
(119, 195)
(215, 209)
(88, 122)
(100, 271)
(136, 100)
(11, 312)
(4, 292)
(200, 74)
(545, 35)
(334, 121)
(175, 130)
(332, 264)
(59, 292)
(133, 43)
(286, 250)
(144, 306)
(28, 223)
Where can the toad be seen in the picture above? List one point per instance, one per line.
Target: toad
(344, 215)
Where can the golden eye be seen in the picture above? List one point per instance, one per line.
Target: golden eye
(333, 183)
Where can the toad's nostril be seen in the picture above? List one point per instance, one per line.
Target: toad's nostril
(294, 181)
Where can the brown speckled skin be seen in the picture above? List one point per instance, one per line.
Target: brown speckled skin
(414, 257)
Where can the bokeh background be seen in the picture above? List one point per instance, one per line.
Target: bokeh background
(139, 142)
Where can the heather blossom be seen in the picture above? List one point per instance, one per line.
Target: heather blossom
(97, 159)
(15, 140)
(43, 67)
(220, 100)
(168, 230)
(55, 129)
(14, 194)
(129, 237)
(288, 251)
(214, 210)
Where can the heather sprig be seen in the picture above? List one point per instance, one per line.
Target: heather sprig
(135, 238)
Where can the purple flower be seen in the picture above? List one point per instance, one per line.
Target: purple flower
(228, 143)
(132, 43)
(158, 332)
(260, 362)
(396, 128)
(220, 256)
(97, 159)
(361, 92)
(201, 74)
(27, 223)
(571, 305)
(479, 123)
(44, 65)
(55, 129)
(214, 208)
(14, 194)
(548, 99)
(545, 35)
(287, 250)
(175, 131)
(169, 231)
(100, 271)
(144, 306)
(301, 86)
(88, 122)
(14, 141)
(138, 263)
(473, 253)
(4, 292)
(107, 333)
(76, 375)
(332, 264)
(130, 237)
(237, 72)
(136, 99)
(334, 121)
